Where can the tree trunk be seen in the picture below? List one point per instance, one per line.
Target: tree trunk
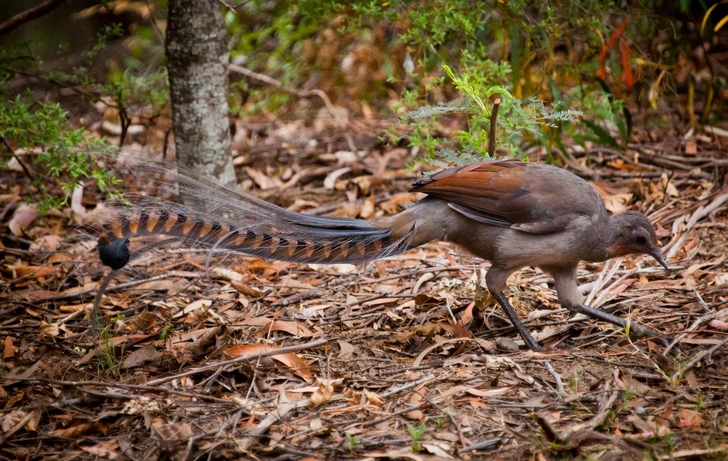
(197, 61)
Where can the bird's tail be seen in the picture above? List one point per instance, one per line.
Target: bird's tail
(226, 219)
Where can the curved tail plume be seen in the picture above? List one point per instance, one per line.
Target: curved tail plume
(225, 219)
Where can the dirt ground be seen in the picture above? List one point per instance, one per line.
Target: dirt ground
(405, 358)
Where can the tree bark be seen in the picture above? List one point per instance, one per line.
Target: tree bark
(197, 60)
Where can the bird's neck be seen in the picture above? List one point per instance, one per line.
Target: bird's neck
(603, 240)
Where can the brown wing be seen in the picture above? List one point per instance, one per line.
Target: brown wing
(530, 197)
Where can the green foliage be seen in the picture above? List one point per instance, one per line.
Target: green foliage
(108, 359)
(416, 434)
(139, 83)
(63, 151)
(517, 121)
(353, 443)
(542, 58)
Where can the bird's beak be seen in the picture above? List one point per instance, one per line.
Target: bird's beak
(655, 253)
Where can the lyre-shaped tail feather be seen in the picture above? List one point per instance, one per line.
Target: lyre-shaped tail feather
(224, 218)
(327, 245)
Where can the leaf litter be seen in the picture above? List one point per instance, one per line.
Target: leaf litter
(282, 361)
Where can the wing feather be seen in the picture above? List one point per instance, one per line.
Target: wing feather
(529, 197)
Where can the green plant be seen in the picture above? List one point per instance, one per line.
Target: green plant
(108, 359)
(416, 434)
(699, 401)
(165, 333)
(353, 443)
(31, 126)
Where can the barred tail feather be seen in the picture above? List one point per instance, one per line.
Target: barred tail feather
(296, 237)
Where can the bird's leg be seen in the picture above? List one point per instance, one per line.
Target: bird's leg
(496, 281)
(571, 299)
(639, 330)
(519, 326)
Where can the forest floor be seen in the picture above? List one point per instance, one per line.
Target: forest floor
(405, 358)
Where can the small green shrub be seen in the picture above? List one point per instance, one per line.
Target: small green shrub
(63, 151)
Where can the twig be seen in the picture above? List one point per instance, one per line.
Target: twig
(17, 158)
(29, 14)
(231, 422)
(692, 363)
(301, 94)
(557, 378)
(403, 387)
(138, 387)
(493, 126)
(484, 445)
(242, 358)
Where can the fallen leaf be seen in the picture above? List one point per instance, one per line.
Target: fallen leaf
(263, 181)
(140, 356)
(193, 306)
(289, 359)
(46, 243)
(8, 352)
(244, 289)
(22, 218)
(331, 178)
(367, 209)
(347, 349)
(438, 449)
(79, 430)
(171, 431)
(106, 449)
(49, 330)
(11, 419)
(267, 324)
(690, 418)
(323, 393)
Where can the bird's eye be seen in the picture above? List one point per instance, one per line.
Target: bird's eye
(640, 239)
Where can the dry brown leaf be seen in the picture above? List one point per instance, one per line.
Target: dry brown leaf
(193, 306)
(323, 393)
(223, 273)
(330, 180)
(267, 324)
(49, 330)
(140, 356)
(8, 351)
(144, 321)
(11, 419)
(289, 359)
(105, 449)
(392, 205)
(475, 403)
(171, 431)
(31, 271)
(416, 415)
(347, 349)
(46, 243)
(242, 288)
(718, 324)
(439, 449)
(462, 332)
(367, 209)
(79, 430)
(22, 218)
(263, 181)
(690, 418)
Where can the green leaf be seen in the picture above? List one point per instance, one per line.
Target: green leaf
(602, 135)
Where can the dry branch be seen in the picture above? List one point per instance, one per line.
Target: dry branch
(29, 14)
(301, 94)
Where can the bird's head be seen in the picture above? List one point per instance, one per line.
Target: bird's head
(633, 234)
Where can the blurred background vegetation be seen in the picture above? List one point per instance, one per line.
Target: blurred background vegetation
(570, 73)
